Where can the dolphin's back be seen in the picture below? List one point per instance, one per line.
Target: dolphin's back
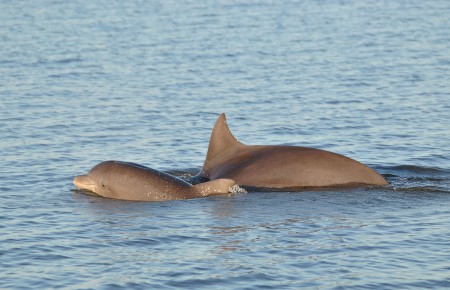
(292, 166)
(130, 181)
(279, 166)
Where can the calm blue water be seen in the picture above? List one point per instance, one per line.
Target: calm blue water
(144, 81)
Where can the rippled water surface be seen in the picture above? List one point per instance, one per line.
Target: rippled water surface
(144, 81)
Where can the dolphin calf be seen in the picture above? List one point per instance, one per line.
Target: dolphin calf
(129, 181)
(279, 167)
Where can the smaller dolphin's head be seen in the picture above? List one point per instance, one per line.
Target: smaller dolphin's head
(84, 182)
(97, 180)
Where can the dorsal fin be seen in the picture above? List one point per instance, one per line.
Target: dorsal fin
(221, 139)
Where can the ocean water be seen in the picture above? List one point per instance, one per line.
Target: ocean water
(144, 81)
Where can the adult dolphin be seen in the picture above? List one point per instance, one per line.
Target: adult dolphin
(279, 167)
(130, 181)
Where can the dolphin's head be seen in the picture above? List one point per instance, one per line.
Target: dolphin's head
(97, 180)
(84, 182)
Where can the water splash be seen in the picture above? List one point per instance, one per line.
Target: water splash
(237, 189)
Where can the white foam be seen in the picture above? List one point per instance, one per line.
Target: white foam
(237, 189)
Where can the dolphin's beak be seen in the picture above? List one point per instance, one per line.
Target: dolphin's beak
(84, 182)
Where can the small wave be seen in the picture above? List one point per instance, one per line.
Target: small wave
(416, 169)
(420, 189)
(69, 60)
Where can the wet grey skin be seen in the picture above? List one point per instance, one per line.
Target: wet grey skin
(279, 167)
(130, 181)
